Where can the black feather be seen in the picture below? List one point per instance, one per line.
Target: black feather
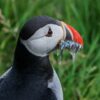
(29, 75)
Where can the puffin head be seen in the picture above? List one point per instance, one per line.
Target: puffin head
(41, 35)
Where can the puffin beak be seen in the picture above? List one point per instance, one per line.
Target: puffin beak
(71, 34)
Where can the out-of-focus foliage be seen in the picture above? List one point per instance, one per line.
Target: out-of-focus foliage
(80, 80)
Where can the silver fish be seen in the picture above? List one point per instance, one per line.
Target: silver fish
(72, 46)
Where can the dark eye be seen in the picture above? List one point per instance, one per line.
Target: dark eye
(49, 34)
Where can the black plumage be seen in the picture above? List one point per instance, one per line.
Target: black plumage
(34, 24)
(29, 75)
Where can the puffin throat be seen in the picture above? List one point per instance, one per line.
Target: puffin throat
(27, 63)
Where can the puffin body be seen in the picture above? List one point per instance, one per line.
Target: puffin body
(31, 76)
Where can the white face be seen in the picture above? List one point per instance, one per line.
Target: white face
(40, 44)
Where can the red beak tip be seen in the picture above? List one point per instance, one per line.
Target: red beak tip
(76, 36)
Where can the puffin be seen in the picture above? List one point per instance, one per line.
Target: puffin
(31, 76)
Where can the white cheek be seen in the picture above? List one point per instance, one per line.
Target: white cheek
(37, 47)
(43, 45)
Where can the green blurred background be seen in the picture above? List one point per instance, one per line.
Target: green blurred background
(81, 79)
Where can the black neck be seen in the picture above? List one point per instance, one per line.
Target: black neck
(28, 63)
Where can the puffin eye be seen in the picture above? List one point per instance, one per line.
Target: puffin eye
(49, 34)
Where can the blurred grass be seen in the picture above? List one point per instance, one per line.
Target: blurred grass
(80, 80)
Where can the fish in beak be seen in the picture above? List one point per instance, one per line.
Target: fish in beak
(72, 39)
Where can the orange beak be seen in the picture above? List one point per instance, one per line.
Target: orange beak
(74, 35)
(71, 34)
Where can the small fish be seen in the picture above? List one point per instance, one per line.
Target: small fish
(73, 47)
(70, 45)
